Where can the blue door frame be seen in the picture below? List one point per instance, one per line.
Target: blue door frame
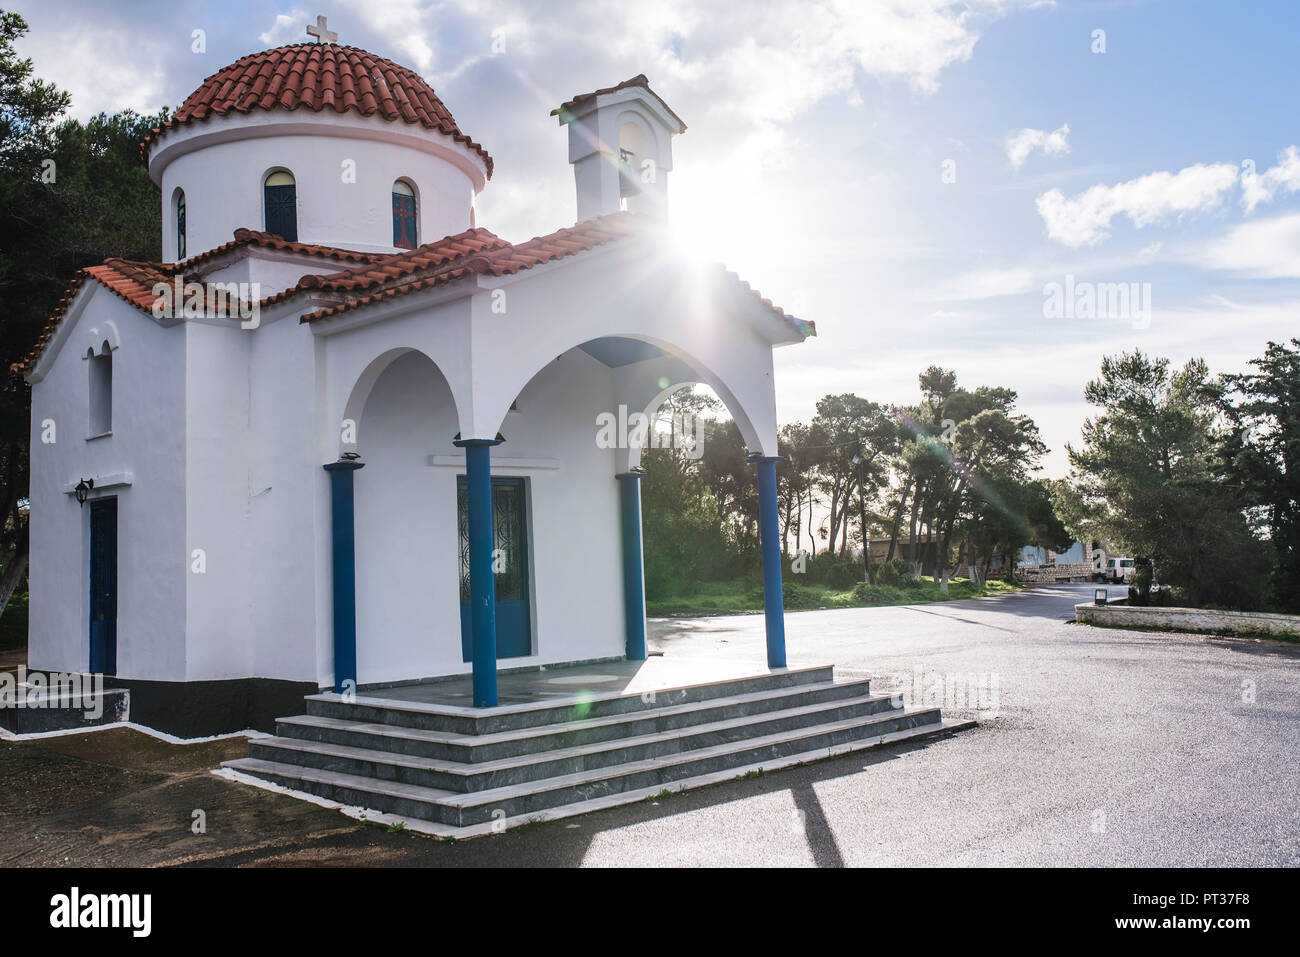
(103, 586)
(514, 630)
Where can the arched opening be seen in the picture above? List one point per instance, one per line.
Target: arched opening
(280, 205)
(407, 561)
(644, 372)
(577, 425)
(633, 151)
(179, 213)
(405, 231)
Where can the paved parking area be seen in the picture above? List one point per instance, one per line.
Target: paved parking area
(1095, 747)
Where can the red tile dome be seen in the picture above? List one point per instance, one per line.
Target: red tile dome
(318, 77)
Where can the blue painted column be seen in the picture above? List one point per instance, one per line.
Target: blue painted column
(770, 543)
(629, 489)
(482, 583)
(343, 538)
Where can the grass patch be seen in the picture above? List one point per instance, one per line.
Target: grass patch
(741, 597)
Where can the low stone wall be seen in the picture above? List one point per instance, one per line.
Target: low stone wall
(1188, 619)
(1060, 572)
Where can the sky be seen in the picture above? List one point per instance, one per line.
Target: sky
(932, 183)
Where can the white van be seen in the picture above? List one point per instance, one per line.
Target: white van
(1119, 569)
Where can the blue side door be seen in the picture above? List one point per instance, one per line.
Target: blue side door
(510, 564)
(103, 586)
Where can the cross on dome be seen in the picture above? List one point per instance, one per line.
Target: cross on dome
(322, 32)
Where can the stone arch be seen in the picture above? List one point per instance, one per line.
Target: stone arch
(644, 388)
(349, 427)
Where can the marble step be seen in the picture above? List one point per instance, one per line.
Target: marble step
(374, 708)
(460, 776)
(532, 797)
(450, 746)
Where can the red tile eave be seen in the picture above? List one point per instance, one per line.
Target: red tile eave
(318, 77)
(134, 281)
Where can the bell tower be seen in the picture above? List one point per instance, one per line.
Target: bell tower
(620, 145)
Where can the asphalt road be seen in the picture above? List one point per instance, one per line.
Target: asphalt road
(1094, 747)
(1105, 747)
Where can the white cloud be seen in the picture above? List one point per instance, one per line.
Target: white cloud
(403, 24)
(1084, 220)
(288, 28)
(74, 57)
(1027, 140)
(1259, 188)
(987, 284)
(1266, 249)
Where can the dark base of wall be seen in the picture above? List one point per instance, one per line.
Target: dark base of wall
(195, 709)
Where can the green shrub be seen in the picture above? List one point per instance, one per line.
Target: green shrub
(894, 573)
(798, 597)
(842, 575)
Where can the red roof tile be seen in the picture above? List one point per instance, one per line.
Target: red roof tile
(134, 281)
(638, 80)
(476, 251)
(319, 76)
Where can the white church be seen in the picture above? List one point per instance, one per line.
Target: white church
(372, 477)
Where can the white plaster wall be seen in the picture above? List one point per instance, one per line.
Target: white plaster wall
(217, 633)
(270, 272)
(148, 441)
(285, 489)
(223, 182)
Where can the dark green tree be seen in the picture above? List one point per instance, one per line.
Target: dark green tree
(1261, 456)
(1145, 480)
(71, 195)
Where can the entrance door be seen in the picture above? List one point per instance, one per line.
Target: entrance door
(103, 586)
(510, 568)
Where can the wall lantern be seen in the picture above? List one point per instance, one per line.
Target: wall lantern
(83, 490)
(1099, 596)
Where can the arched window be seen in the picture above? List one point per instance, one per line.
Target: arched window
(404, 215)
(632, 154)
(180, 224)
(281, 197)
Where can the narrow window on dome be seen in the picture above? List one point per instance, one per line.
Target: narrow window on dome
(180, 224)
(281, 197)
(404, 215)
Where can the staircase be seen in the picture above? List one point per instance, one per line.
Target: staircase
(468, 771)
